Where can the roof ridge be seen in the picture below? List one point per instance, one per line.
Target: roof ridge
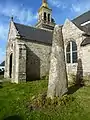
(23, 24)
(31, 27)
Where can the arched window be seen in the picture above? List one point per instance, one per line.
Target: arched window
(71, 52)
(45, 16)
(48, 17)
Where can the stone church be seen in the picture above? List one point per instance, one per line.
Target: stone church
(29, 48)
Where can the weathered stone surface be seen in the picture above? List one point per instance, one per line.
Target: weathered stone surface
(30, 60)
(22, 62)
(11, 49)
(57, 76)
(37, 59)
(72, 33)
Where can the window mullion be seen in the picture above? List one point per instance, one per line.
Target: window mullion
(71, 52)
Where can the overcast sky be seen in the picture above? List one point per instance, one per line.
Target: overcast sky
(25, 12)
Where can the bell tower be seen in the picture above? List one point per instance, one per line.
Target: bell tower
(45, 20)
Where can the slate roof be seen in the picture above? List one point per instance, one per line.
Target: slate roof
(34, 34)
(85, 41)
(82, 19)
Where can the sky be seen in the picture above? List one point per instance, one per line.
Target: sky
(25, 12)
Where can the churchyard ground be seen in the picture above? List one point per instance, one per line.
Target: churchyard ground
(15, 102)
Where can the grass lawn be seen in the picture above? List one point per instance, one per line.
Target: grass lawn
(14, 99)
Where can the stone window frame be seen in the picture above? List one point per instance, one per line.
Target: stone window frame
(71, 52)
(45, 16)
(48, 17)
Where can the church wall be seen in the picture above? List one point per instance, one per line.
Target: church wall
(20, 62)
(10, 49)
(72, 33)
(86, 59)
(37, 59)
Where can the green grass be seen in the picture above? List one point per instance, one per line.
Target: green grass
(15, 99)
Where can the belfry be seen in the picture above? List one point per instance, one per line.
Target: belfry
(45, 20)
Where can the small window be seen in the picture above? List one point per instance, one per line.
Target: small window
(71, 52)
(45, 16)
(48, 17)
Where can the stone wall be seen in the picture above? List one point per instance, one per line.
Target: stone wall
(21, 62)
(10, 49)
(37, 59)
(72, 33)
(86, 59)
(30, 60)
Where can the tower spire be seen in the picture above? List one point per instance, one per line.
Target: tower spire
(44, 1)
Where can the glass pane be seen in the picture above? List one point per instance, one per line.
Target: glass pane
(68, 57)
(68, 48)
(74, 46)
(74, 57)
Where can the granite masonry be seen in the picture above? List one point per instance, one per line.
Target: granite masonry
(58, 82)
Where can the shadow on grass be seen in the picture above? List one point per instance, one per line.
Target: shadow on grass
(74, 88)
(1, 86)
(15, 117)
(78, 79)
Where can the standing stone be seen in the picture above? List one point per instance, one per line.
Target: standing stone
(57, 75)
